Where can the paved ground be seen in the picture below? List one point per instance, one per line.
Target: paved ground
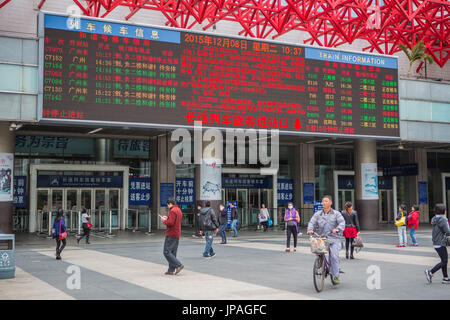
(252, 266)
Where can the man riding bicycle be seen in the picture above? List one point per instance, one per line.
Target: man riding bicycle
(329, 221)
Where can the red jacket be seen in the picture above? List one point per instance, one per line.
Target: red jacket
(413, 220)
(173, 222)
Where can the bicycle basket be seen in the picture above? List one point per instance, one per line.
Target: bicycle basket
(319, 245)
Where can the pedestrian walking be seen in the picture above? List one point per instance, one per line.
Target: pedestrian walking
(329, 222)
(292, 219)
(223, 221)
(400, 222)
(209, 227)
(196, 224)
(413, 223)
(264, 217)
(86, 225)
(440, 233)
(173, 233)
(59, 233)
(351, 230)
(234, 218)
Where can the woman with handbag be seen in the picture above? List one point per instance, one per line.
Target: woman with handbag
(351, 230)
(440, 234)
(86, 225)
(292, 219)
(264, 217)
(59, 233)
(400, 222)
(413, 224)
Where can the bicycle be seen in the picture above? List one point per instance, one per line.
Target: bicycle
(321, 268)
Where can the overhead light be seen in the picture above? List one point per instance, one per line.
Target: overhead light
(401, 147)
(95, 131)
(316, 141)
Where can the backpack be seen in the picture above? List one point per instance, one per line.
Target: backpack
(207, 223)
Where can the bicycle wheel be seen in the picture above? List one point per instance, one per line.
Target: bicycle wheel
(319, 273)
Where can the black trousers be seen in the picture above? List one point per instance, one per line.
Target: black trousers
(170, 253)
(60, 245)
(86, 232)
(291, 230)
(443, 254)
(349, 241)
(265, 224)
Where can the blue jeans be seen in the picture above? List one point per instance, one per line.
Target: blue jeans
(412, 233)
(222, 232)
(209, 237)
(233, 226)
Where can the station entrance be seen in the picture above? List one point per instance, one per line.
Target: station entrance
(100, 189)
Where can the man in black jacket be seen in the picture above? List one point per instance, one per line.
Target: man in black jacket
(223, 221)
(209, 227)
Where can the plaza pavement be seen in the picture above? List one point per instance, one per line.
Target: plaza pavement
(253, 266)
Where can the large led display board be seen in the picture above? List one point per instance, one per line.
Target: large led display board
(109, 72)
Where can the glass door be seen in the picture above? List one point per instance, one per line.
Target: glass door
(242, 198)
(344, 196)
(99, 209)
(43, 207)
(254, 205)
(57, 202)
(114, 207)
(71, 208)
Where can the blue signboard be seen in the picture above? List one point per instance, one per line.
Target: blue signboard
(166, 192)
(346, 182)
(385, 183)
(185, 191)
(20, 191)
(110, 29)
(140, 191)
(308, 193)
(247, 183)
(349, 57)
(229, 211)
(403, 170)
(285, 189)
(79, 181)
(423, 192)
(318, 206)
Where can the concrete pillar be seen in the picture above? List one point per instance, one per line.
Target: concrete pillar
(164, 172)
(214, 203)
(7, 145)
(420, 157)
(365, 152)
(103, 150)
(304, 172)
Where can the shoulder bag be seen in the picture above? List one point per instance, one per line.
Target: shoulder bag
(61, 235)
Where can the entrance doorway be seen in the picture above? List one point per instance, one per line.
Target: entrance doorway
(345, 195)
(385, 205)
(249, 203)
(446, 190)
(100, 203)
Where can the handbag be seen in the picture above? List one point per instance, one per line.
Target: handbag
(270, 222)
(401, 222)
(357, 242)
(89, 225)
(61, 235)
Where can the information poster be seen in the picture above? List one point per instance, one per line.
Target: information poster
(166, 192)
(369, 177)
(308, 193)
(423, 192)
(211, 179)
(6, 176)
